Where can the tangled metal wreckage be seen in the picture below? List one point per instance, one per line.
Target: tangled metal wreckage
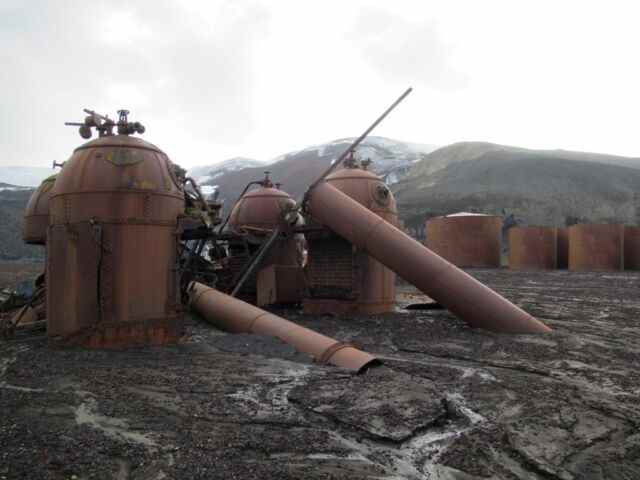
(131, 242)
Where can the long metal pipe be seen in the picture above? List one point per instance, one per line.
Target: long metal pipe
(463, 295)
(235, 316)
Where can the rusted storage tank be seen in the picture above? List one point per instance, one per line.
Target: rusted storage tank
(36, 215)
(596, 247)
(466, 239)
(563, 248)
(111, 269)
(343, 278)
(254, 217)
(632, 248)
(532, 248)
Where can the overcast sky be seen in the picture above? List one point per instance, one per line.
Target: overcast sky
(216, 79)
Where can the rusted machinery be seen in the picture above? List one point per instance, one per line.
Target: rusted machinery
(466, 239)
(112, 245)
(342, 278)
(596, 247)
(632, 248)
(132, 240)
(532, 248)
(563, 248)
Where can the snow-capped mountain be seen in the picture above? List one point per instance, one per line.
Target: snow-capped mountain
(206, 174)
(391, 159)
(24, 176)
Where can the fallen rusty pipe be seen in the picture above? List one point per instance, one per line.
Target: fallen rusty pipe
(463, 295)
(235, 316)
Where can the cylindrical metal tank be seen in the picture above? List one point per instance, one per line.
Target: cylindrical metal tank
(532, 248)
(374, 284)
(36, 215)
(463, 295)
(563, 248)
(466, 240)
(111, 269)
(255, 216)
(596, 247)
(632, 248)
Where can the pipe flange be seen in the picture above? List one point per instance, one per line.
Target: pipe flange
(331, 351)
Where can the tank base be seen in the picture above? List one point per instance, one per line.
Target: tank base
(127, 334)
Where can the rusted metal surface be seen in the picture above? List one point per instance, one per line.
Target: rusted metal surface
(280, 284)
(631, 248)
(36, 215)
(466, 241)
(111, 268)
(532, 248)
(464, 296)
(596, 247)
(260, 210)
(563, 248)
(236, 316)
(372, 286)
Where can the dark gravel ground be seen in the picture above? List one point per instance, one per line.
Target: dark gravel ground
(449, 402)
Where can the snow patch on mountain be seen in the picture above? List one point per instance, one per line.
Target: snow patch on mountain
(205, 174)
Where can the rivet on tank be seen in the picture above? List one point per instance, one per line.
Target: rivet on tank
(111, 263)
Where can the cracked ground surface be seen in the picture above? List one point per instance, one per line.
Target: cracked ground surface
(449, 402)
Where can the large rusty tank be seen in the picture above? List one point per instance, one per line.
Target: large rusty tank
(466, 239)
(111, 269)
(36, 215)
(596, 247)
(563, 248)
(344, 278)
(632, 248)
(532, 248)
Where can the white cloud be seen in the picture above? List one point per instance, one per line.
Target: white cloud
(213, 80)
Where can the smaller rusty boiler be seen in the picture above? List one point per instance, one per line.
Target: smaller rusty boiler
(563, 248)
(468, 240)
(343, 277)
(112, 276)
(631, 248)
(36, 215)
(258, 213)
(596, 247)
(532, 248)
(235, 316)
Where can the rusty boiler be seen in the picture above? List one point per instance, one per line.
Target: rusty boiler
(36, 215)
(532, 248)
(257, 214)
(111, 268)
(596, 247)
(466, 240)
(343, 277)
(632, 248)
(563, 248)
